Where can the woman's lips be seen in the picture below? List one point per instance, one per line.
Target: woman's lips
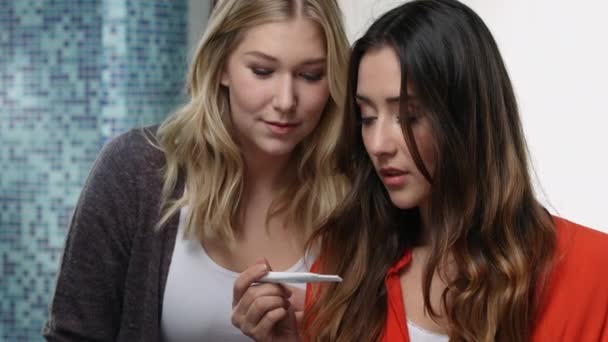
(280, 128)
(392, 177)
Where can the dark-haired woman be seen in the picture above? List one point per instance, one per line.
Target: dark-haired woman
(442, 237)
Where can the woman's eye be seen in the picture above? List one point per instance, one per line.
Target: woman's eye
(312, 77)
(263, 72)
(413, 117)
(367, 120)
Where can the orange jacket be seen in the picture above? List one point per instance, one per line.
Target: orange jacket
(576, 299)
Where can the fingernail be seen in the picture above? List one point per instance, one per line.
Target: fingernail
(267, 264)
(263, 267)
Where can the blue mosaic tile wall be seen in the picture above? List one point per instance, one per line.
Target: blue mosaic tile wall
(73, 74)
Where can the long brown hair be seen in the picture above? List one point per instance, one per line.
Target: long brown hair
(484, 217)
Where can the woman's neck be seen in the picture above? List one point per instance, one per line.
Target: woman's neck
(425, 232)
(266, 175)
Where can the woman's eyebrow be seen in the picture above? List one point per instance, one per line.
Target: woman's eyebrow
(310, 61)
(261, 55)
(314, 61)
(366, 100)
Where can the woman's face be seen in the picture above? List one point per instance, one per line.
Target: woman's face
(277, 84)
(378, 90)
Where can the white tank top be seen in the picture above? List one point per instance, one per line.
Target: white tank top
(197, 303)
(418, 334)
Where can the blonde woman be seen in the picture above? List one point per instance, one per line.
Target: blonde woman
(244, 170)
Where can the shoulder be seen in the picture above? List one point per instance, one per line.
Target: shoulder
(574, 301)
(580, 261)
(126, 175)
(130, 158)
(137, 146)
(581, 246)
(121, 195)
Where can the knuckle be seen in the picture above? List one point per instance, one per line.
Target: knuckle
(275, 315)
(235, 321)
(258, 334)
(257, 305)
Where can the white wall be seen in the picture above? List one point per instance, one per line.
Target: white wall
(557, 57)
(198, 13)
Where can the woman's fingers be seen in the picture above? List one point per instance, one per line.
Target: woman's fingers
(297, 298)
(259, 291)
(246, 279)
(258, 309)
(262, 311)
(264, 330)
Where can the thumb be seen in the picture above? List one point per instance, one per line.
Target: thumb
(263, 260)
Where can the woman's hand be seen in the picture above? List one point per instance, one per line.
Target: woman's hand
(264, 311)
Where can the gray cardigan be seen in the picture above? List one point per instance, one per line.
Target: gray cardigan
(115, 264)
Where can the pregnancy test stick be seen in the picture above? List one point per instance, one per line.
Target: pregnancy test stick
(298, 277)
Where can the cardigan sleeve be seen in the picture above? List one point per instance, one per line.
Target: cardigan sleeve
(87, 303)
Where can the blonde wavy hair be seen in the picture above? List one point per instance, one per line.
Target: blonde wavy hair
(198, 144)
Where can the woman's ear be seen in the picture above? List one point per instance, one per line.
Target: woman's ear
(224, 79)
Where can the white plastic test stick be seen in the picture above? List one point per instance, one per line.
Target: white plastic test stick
(298, 277)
